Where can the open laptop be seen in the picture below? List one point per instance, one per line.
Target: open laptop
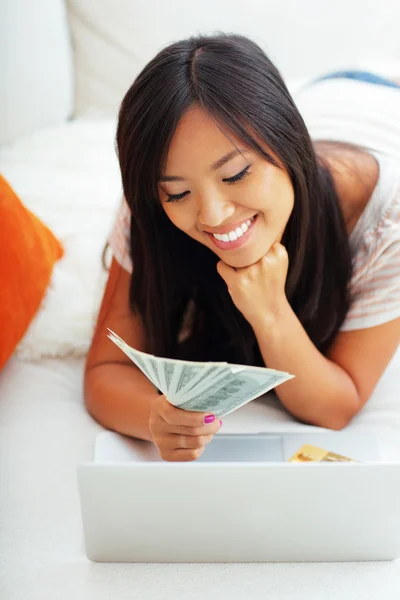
(241, 501)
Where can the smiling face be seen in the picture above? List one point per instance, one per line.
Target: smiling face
(236, 204)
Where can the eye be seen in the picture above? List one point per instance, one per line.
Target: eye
(228, 180)
(176, 197)
(239, 176)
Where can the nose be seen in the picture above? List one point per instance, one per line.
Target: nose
(213, 210)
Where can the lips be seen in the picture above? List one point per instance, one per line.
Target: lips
(227, 241)
(232, 227)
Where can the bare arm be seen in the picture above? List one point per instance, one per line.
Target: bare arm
(117, 394)
(120, 397)
(109, 399)
(327, 391)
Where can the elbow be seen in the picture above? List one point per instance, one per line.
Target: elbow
(92, 407)
(91, 399)
(338, 423)
(339, 417)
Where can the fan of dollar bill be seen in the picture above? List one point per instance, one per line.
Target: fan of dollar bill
(216, 387)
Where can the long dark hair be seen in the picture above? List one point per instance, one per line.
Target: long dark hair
(230, 78)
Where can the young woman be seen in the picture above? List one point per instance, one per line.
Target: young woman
(250, 242)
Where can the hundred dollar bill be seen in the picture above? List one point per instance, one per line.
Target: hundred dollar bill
(231, 390)
(216, 387)
(169, 375)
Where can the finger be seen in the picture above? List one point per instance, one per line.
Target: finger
(225, 271)
(205, 430)
(187, 442)
(181, 455)
(177, 416)
(277, 257)
(279, 251)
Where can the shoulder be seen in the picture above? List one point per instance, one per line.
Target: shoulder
(368, 187)
(375, 248)
(355, 173)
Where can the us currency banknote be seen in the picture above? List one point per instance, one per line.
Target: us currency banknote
(216, 387)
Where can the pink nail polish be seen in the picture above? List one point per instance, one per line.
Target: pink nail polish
(220, 423)
(209, 419)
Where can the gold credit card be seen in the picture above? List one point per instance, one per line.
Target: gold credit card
(309, 453)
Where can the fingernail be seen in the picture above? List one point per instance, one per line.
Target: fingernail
(209, 419)
(220, 423)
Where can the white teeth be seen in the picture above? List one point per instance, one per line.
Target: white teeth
(233, 235)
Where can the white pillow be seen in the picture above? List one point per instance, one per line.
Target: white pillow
(69, 176)
(35, 67)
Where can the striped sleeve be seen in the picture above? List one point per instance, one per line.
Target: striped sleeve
(119, 239)
(375, 286)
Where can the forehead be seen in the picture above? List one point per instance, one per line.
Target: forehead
(198, 138)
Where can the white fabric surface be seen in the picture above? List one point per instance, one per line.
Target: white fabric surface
(353, 111)
(113, 41)
(45, 433)
(37, 79)
(69, 177)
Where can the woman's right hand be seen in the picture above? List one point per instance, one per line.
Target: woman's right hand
(180, 435)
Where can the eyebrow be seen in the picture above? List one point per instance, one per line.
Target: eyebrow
(217, 165)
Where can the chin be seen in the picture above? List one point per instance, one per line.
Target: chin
(244, 259)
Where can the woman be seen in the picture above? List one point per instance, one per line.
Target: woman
(249, 243)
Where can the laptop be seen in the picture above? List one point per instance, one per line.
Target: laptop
(242, 501)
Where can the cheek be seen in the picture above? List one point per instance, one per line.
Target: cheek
(281, 198)
(280, 216)
(181, 216)
(276, 200)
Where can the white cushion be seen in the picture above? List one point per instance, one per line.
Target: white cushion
(69, 176)
(35, 67)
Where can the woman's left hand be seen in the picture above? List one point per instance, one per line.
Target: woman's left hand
(258, 291)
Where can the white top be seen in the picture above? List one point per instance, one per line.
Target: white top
(368, 115)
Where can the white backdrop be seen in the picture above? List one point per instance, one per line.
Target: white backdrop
(36, 78)
(113, 39)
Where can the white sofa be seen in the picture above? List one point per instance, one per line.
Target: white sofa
(77, 60)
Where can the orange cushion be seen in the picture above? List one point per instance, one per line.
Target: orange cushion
(28, 251)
